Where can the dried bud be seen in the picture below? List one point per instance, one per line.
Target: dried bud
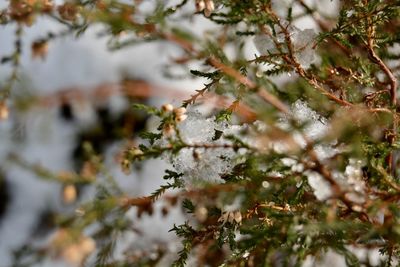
(126, 166)
(167, 107)
(331, 215)
(201, 213)
(357, 208)
(238, 217)
(196, 154)
(88, 170)
(179, 111)
(21, 11)
(43, 5)
(224, 217)
(209, 7)
(87, 245)
(40, 49)
(68, 11)
(168, 130)
(181, 118)
(136, 152)
(265, 184)
(164, 211)
(200, 5)
(231, 217)
(69, 194)
(267, 221)
(4, 113)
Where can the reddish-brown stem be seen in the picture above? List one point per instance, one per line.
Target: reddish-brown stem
(386, 70)
(270, 98)
(393, 91)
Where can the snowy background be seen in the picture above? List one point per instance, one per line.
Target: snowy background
(44, 138)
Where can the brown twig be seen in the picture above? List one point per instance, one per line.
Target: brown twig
(384, 68)
(270, 98)
(292, 61)
(393, 90)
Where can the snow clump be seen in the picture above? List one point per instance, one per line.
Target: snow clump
(315, 128)
(205, 164)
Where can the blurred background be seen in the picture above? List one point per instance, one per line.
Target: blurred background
(71, 92)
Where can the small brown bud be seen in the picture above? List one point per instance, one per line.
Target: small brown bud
(200, 5)
(40, 49)
(167, 107)
(4, 113)
(209, 7)
(231, 217)
(126, 166)
(135, 152)
(69, 194)
(181, 118)
(180, 111)
(68, 11)
(224, 217)
(164, 211)
(201, 213)
(238, 217)
(196, 155)
(168, 130)
(357, 208)
(88, 170)
(88, 245)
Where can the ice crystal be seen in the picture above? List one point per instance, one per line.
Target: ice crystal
(316, 125)
(354, 181)
(322, 189)
(301, 40)
(315, 128)
(204, 164)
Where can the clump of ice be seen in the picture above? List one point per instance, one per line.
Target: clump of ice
(354, 181)
(204, 164)
(208, 164)
(322, 189)
(302, 43)
(315, 128)
(353, 173)
(316, 125)
(197, 129)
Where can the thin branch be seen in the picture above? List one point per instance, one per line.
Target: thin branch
(393, 90)
(384, 68)
(292, 61)
(270, 98)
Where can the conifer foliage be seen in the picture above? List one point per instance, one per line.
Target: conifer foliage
(299, 159)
